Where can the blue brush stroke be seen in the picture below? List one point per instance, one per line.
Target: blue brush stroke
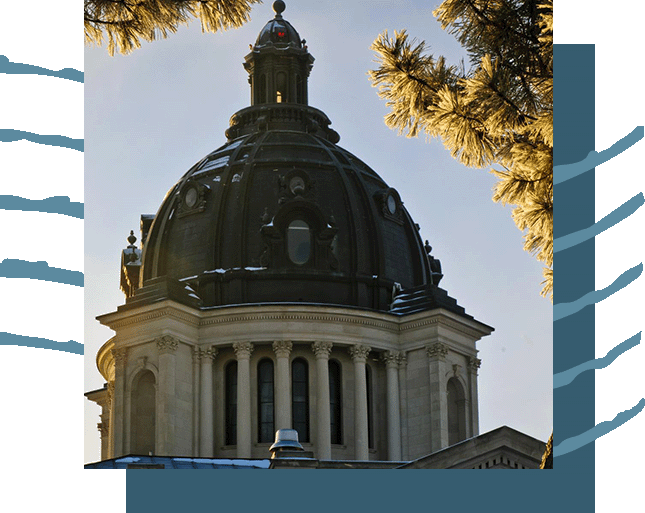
(10, 135)
(17, 68)
(562, 379)
(575, 442)
(565, 172)
(562, 310)
(9, 339)
(613, 218)
(54, 205)
(13, 268)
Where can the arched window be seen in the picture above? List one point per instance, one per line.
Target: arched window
(370, 406)
(143, 419)
(300, 398)
(266, 424)
(335, 402)
(299, 241)
(456, 412)
(230, 387)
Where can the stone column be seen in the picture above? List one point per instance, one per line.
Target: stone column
(206, 436)
(473, 365)
(243, 352)
(323, 428)
(359, 355)
(112, 422)
(282, 349)
(120, 360)
(196, 409)
(438, 396)
(391, 359)
(167, 346)
(403, 398)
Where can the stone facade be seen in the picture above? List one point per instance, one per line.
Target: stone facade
(395, 375)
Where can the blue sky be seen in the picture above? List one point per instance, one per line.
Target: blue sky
(150, 115)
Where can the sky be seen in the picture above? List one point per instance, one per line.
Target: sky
(151, 115)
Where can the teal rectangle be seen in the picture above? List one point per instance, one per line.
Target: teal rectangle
(569, 487)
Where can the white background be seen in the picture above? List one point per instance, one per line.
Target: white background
(617, 31)
(43, 389)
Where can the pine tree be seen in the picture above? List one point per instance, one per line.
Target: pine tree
(498, 113)
(127, 22)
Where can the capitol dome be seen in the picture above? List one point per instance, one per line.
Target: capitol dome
(281, 214)
(282, 284)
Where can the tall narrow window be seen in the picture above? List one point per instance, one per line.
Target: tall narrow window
(300, 398)
(456, 412)
(370, 406)
(266, 429)
(231, 403)
(281, 87)
(335, 402)
(143, 418)
(299, 241)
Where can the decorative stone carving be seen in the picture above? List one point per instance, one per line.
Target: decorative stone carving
(456, 370)
(474, 364)
(208, 353)
(322, 349)
(359, 352)
(243, 349)
(196, 355)
(120, 356)
(103, 429)
(167, 344)
(110, 392)
(390, 358)
(282, 348)
(403, 359)
(437, 350)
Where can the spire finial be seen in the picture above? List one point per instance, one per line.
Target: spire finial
(278, 7)
(132, 238)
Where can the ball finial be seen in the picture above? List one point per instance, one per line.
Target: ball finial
(278, 7)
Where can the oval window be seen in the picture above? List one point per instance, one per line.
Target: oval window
(299, 241)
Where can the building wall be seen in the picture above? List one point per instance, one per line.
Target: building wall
(166, 338)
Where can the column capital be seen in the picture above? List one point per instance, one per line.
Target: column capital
(167, 344)
(322, 349)
(474, 364)
(282, 348)
(110, 391)
(359, 352)
(208, 354)
(438, 351)
(390, 358)
(403, 359)
(120, 355)
(243, 350)
(103, 429)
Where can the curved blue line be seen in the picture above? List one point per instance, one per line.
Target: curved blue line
(562, 310)
(10, 135)
(565, 172)
(17, 68)
(14, 268)
(575, 442)
(9, 339)
(563, 378)
(54, 205)
(611, 219)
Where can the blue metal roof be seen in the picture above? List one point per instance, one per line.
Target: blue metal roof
(166, 462)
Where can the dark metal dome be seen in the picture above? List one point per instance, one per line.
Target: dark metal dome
(281, 213)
